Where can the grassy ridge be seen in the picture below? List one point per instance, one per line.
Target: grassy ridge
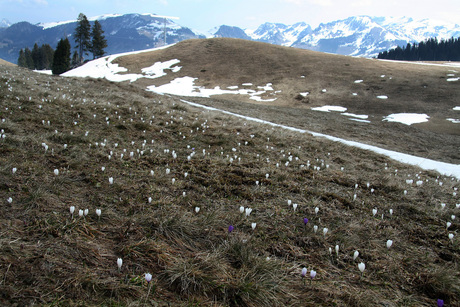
(49, 257)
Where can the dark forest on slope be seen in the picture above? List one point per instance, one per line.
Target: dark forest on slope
(428, 50)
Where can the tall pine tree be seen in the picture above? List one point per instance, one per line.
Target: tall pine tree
(98, 42)
(82, 35)
(61, 60)
(22, 59)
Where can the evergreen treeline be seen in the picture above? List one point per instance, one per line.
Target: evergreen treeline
(39, 58)
(428, 50)
(59, 61)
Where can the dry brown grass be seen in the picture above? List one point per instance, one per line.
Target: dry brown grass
(6, 63)
(411, 89)
(49, 258)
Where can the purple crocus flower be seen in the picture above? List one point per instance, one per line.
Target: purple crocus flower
(440, 302)
(305, 220)
(230, 228)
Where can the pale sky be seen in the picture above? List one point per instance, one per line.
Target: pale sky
(203, 15)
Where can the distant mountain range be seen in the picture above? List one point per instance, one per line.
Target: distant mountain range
(129, 32)
(355, 36)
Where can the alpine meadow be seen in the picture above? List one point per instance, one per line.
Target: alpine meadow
(220, 172)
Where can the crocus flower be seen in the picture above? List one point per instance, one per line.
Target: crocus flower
(315, 228)
(14, 170)
(325, 230)
(391, 211)
(312, 274)
(86, 212)
(305, 221)
(374, 211)
(337, 250)
(72, 209)
(355, 255)
(241, 209)
(248, 211)
(448, 224)
(361, 267)
(56, 172)
(289, 202)
(440, 302)
(197, 209)
(80, 212)
(98, 212)
(451, 237)
(304, 272)
(119, 263)
(111, 180)
(148, 277)
(389, 243)
(230, 228)
(253, 225)
(294, 206)
(10, 200)
(316, 210)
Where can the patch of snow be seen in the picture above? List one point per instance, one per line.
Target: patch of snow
(358, 81)
(157, 69)
(329, 109)
(453, 120)
(407, 118)
(452, 79)
(45, 72)
(267, 87)
(104, 68)
(324, 90)
(422, 63)
(247, 84)
(233, 87)
(185, 86)
(356, 115)
(456, 109)
(355, 94)
(304, 94)
(447, 169)
(258, 98)
(382, 97)
(360, 120)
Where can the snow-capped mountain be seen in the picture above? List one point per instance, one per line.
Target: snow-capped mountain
(4, 23)
(357, 36)
(129, 32)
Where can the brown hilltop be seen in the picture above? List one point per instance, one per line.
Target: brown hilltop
(410, 88)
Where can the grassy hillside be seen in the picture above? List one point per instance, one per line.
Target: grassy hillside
(410, 88)
(63, 139)
(5, 63)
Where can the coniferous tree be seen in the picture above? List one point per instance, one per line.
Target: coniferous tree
(61, 60)
(36, 57)
(82, 35)
(75, 59)
(98, 43)
(47, 56)
(429, 50)
(29, 60)
(22, 59)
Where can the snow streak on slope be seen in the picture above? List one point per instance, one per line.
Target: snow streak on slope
(446, 169)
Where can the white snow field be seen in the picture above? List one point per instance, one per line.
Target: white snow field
(184, 86)
(407, 118)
